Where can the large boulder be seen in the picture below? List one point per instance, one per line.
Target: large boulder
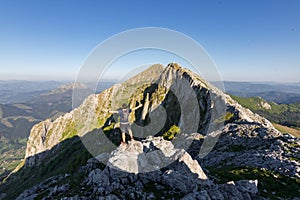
(153, 154)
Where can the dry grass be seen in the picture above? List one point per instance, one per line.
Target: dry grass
(285, 129)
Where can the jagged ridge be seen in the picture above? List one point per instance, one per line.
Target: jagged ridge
(241, 123)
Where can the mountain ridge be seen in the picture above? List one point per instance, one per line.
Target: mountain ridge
(93, 102)
(237, 129)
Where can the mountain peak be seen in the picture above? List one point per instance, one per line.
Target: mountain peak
(175, 66)
(66, 87)
(157, 82)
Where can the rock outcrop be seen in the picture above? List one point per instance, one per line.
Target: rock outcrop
(251, 145)
(152, 154)
(184, 178)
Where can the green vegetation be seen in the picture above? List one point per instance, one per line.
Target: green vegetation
(226, 118)
(286, 115)
(17, 121)
(270, 185)
(70, 131)
(171, 133)
(110, 127)
(11, 154)
(295, 159)
(285, 129)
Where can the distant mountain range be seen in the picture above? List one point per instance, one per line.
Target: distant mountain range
(23, 91)
(16, 119)
(30, 103)
(19, 91)
(278, 92)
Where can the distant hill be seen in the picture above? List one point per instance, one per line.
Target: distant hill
(45, 105)
(283, 114)
(17, 91)
(277, 92)
(17, 119)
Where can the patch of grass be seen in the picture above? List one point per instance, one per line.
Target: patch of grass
(294, 145)
(268, 182)
(171, 133)
(295, 159)
(23, 141)
(11, 154)
(70, 131)
(287, 115)
(110, 127)
(285, 129)
(226, 118)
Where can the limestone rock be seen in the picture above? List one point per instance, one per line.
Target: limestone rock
(153, 154)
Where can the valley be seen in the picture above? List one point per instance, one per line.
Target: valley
(17, 119)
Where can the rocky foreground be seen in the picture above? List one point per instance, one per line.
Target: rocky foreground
(250, 145)
(184, 178)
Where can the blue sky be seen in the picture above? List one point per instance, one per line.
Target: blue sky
(248, 40)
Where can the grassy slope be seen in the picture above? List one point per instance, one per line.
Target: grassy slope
(286, 129)
(285, 117)
(270, 185)
(11, 154)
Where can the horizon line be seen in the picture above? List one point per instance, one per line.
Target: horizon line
(116, 80)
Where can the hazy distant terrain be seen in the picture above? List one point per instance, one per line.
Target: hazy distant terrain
(25, 103)
(17, 118)
(278, 92)
(17, 91)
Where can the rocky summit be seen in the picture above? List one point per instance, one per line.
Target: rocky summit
(191, 141)
(184, 178)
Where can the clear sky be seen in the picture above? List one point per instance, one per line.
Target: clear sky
(254, 40)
